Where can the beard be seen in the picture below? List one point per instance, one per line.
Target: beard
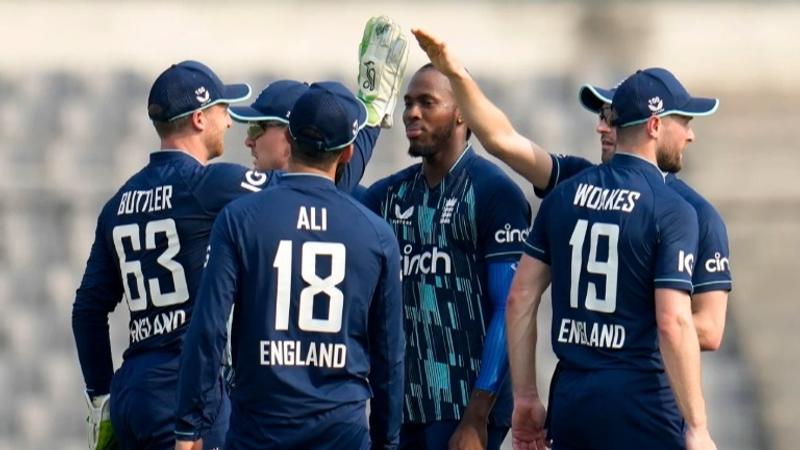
(669, 160)
(432, 148)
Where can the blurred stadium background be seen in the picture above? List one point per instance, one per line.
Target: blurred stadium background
(74, 78)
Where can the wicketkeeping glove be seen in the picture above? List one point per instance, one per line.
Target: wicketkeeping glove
(101, 435)
(382, 58)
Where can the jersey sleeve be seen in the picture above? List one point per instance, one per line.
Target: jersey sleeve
(387, 349)
(100, 291)
(373, 197)
(712, 271)
(564, 168)
(503, 220)
(676, 246)
(353, 171)
(206, 336)
(494, 359)
(223, 182)
(537, 244)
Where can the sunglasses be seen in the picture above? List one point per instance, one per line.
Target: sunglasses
(256, 129)
(607, 114)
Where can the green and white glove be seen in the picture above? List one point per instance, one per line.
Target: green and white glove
(382, 59)
(101, 434)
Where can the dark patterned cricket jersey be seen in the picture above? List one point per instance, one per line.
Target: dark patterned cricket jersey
(448, 234)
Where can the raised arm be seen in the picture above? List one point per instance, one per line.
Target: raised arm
(491, 126)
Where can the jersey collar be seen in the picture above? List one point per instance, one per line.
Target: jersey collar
(622, 158)
(306, 179)
(171, 154)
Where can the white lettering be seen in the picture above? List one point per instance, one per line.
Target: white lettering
(598, 335)
(718, 263)
(426, 262)
(298, 353)
(597, 198)
(147, 201)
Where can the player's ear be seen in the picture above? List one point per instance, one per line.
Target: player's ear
(199, 120)
(652, 126)
(347, 154)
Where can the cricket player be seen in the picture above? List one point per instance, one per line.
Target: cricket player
(619, 246)
(460, 222)
(317, 327)
(149, 249)
(712, 278)
(170, 254)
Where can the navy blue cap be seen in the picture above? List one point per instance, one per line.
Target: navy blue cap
(656, 92)
(275, 102)
(328, 117)
(188, 86)
(593, 97)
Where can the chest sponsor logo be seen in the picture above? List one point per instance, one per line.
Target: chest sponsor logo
(433, 261)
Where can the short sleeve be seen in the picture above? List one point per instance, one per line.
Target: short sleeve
(712, 271)
(564, 168)
(503, 220)
(537, 244)
(676, 251)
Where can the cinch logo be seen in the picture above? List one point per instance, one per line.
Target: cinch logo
(685, 262)
(508, 235)
(428, 262)
(717, 264)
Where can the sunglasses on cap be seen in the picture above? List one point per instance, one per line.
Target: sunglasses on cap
(256, 129)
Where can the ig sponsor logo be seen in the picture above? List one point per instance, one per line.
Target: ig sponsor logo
(685, 262)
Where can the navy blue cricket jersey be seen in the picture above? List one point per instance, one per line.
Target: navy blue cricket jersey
(448, 235)
(149, 248)
(315, 279)
(612, 235)
(712, 271)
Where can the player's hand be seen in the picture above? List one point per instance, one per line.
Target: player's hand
(382, 58)
(189, 445)
(471, 434)
(699, 439)
(99, 430)
(444, 61)
(527, 424)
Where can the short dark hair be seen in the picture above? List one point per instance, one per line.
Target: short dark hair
(166, 129)
(309, 155)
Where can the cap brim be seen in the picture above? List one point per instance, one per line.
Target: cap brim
(233, 93)
(246, 114)
(698, 106)
(593, 98)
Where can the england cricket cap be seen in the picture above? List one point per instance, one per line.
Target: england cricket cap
(274, 103)
(593, 98)
(327, 116)
(656, 92)
(187, 87)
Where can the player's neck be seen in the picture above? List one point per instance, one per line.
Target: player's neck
(435, 167)
(187, 145)
(296, 167)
